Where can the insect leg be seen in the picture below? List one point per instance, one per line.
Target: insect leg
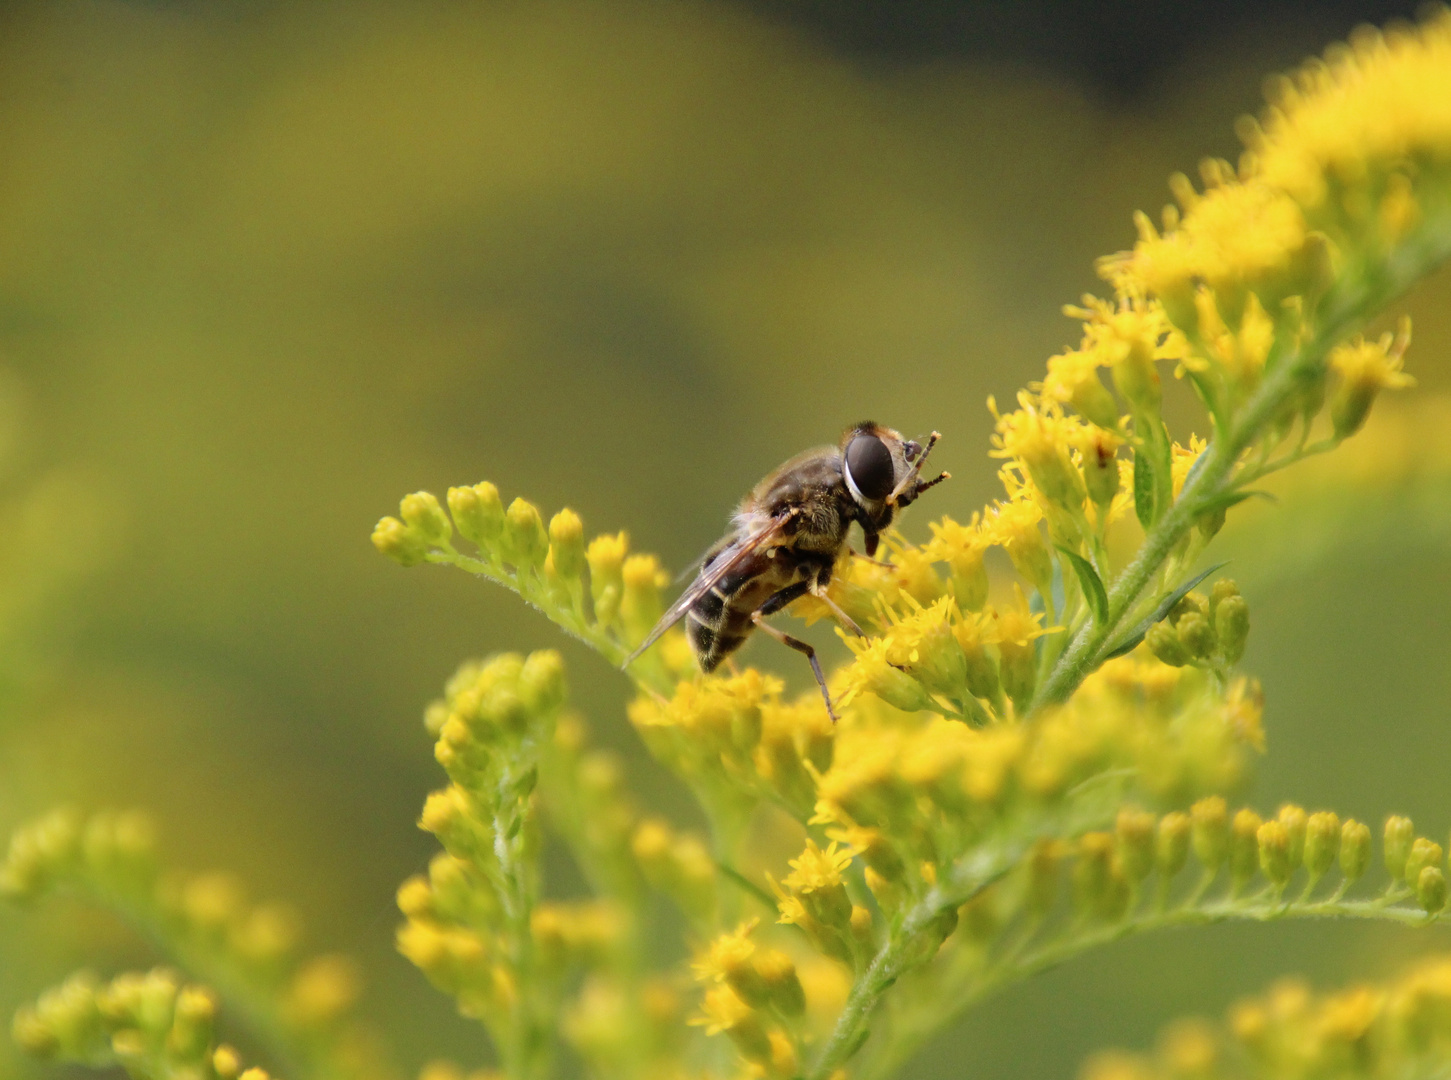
(776, 601)
(818, 590)
(801, 647)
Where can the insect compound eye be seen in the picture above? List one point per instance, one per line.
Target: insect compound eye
(869, 467)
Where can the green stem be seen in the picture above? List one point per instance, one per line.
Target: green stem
(1215, 474)
(950, 1001)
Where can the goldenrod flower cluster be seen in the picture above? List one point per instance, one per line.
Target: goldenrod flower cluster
(1399, 1028)
(982, 809)
(209, 927)
(152, 1025)
(1027, 764)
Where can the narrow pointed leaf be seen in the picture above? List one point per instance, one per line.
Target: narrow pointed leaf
(1092, 584)
(1136, 635)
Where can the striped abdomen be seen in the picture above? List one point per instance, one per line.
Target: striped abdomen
(720, 621)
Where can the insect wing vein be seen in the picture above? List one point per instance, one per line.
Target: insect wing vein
(710, 578)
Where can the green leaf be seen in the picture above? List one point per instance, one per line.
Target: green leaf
(1144, 487)
(1092, 585)
(1136, 635)
(1225, 500)
(1153, 474)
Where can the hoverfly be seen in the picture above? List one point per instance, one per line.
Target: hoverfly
(785, 538)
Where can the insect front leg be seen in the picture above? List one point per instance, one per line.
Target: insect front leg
(759, 618)
(818, 589)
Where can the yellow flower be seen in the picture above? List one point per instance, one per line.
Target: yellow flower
(721, 1011)
(816, 869)
(1013, 526)
(1183, 459)
(921, 643)
(1072, 379)
(962, 547)
(1038, 436)
(1365, 369)
(872, 671)
(728, 955)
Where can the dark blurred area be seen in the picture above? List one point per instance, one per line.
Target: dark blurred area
(269, 266)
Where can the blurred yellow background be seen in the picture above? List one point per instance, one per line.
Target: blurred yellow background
(265, 267)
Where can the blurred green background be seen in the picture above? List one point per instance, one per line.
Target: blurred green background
(265, 267)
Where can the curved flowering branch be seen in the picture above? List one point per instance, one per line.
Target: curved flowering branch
(300, 1008)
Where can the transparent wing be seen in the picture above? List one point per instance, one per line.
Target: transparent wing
(729, 560)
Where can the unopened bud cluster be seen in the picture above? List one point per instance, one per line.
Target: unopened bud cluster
(1205, 631)
(596, 589)
(111, 857)
(153, 1025)
(1400, 1028)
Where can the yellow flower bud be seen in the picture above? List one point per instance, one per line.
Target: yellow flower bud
(1431, 889)
(1134, 834)
(1274, 852)
(1322, 843)
(606, 558)
(478, 514)
(226, 1062)
(1196, 635)
(640, 605)
(1171, 844)
(1244, 847)
(524, 543)
(1424, 853)
(541, 682)
(400, 543)
(1231, 627)
(423, 516)
(1354, 850)
(566, 544)
(1293, 818)
(1399, 834)
(783, 986)
(1166, 645)
(1210, 831)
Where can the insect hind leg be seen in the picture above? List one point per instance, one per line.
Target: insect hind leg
(800, 646)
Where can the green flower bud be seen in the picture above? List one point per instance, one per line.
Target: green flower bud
(1399, 834)
(1094, 403)
(1164, 642)
(1231, 626)
(525, 542)
(477, 513)
(1431, 889)
(1274, 852)
(1424, 853)
(782, 985)
(401, 544)
(1099, 888)
(606, 558)
(422, 514)
(193, 1026)
(1244, 846)
(1296, 823)
(1322, 842)
(541, 681)
(1134, 833)
(1210, 831)
(1137, 379)
(1018, 667)
(1190, 603)
(1354, 850)
(1171, 845)
(566, 544)
(1222, 590)
(1196, 634)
